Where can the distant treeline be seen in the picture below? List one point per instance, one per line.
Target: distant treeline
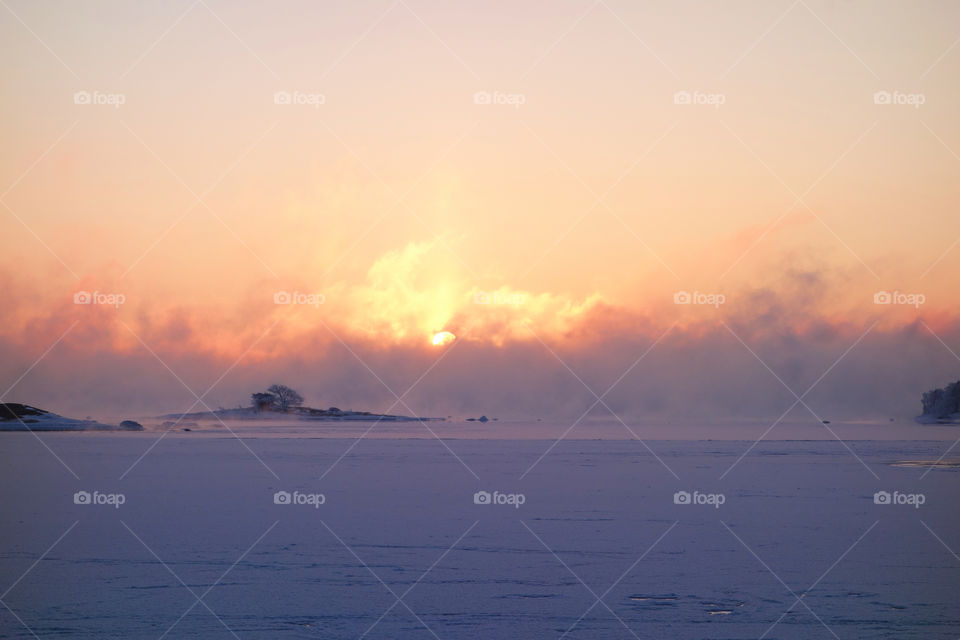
(942, 403)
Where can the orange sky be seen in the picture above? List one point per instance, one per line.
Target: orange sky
(566, 213)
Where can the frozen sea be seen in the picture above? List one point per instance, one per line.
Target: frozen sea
(598, 535)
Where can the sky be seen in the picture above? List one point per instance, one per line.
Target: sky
(662, 210)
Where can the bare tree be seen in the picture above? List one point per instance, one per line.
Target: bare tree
(286, 397)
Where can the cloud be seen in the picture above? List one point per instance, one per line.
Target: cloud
(520, 353)
(700, 373)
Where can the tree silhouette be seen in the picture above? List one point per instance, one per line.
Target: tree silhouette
(285, 397)
(263, 401)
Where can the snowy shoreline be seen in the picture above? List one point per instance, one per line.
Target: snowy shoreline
(23, 417)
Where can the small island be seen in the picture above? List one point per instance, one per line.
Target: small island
(284, 403)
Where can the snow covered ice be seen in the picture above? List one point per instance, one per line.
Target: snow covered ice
(391, 541)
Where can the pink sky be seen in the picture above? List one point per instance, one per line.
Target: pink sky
(550, 230)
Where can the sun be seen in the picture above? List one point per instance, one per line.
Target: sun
(443, 338)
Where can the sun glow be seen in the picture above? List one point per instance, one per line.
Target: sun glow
(443, 338)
